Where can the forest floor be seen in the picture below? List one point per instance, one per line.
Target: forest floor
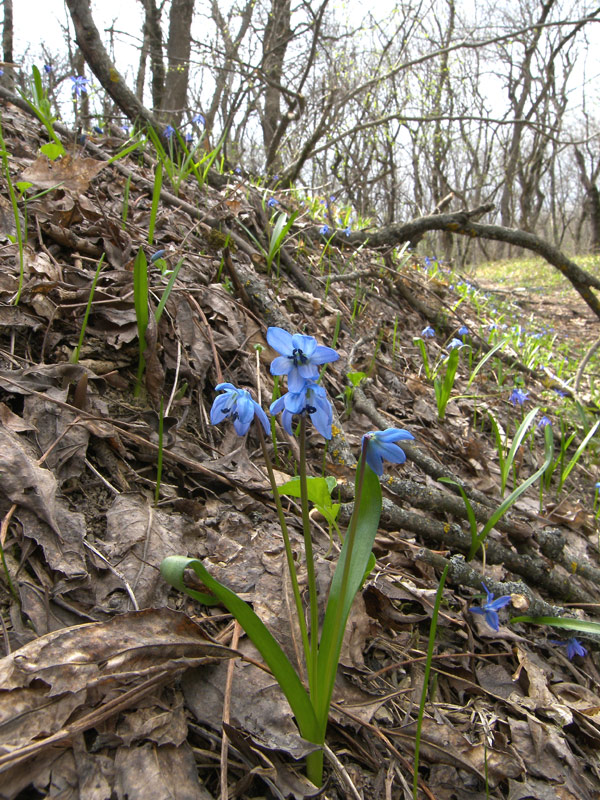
(113, 684)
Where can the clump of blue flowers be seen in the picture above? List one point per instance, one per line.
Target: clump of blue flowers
(518, 397)
(574, 647)
(239, 405)
(491, 607)
(301, 359)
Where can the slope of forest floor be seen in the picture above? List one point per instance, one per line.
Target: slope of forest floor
(112, 682)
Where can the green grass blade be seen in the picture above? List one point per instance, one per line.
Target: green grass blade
(581, 625)
(514, 496)
(168, 289)
(140, 299)
(516, 443)
(155, 200)
(567, 471)
(486, 358)
(470, 515)
(75, 355)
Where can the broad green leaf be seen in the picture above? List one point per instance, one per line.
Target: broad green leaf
(345, 584)
(172, 569)
(52, 150)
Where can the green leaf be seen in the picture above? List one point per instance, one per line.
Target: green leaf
(318, 490)
(356, 377)
(581, 625)
(52, 150)
(345, 586)
(172, 569)
(516, 443)
(577, 455)
(486, 358)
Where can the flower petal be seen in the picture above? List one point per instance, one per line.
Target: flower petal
(393, 435)
(280, 340)
(323, 355)
(281, 365)
(307, 344)
(295, 380)
(391, 452)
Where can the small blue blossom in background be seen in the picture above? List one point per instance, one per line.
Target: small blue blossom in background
(455, 343)
(97, 129)
(493, 326)
(157, 255)
(312, 400)
(544, 421)
(47, 68)
(560, 392)
(380, 445)
(239, 405)
(574, 647)
(491, 607)
(1, 72)
(272, 202)
(188, 138)
(463, 330)
(428, 332)
(347, 230)
(79, 85)
(199, 118)
(332, 198)
(168, 131)
(518, 397)
(238, 170)
(300, 357)
(324, 230)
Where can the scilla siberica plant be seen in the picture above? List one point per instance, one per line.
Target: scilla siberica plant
(300, 360)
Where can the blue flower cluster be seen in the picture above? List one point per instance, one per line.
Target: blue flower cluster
(300, 359)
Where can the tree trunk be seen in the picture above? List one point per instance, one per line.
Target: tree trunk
(277, 36)
(178, 57)
(95, 54)
(591, 203)
(8, 78)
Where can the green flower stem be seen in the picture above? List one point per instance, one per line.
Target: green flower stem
(310, 566)
(288, 550)
(430, 646)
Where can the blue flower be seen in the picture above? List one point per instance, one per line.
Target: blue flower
(157, 255)
(428, 332)
(347, 230)
(544, 421)
(518, 397)
(455, 343)
(380, 445)
(239, 405)
(199, 118)
(188, 138)
(97, 129)
(47, 68)
(168, 131)
(332, 198)
(493, 326)
(491, 607)
(311, 400)
(560, 392)
(324, 230)
(238, 170)
(300, 357)
(79, 85)
(271, 202)
(463, 330)
(574, 647)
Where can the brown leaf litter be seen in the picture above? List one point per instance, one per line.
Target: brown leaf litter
(111, 683)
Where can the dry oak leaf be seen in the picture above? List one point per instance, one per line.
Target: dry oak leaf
(73, 174)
